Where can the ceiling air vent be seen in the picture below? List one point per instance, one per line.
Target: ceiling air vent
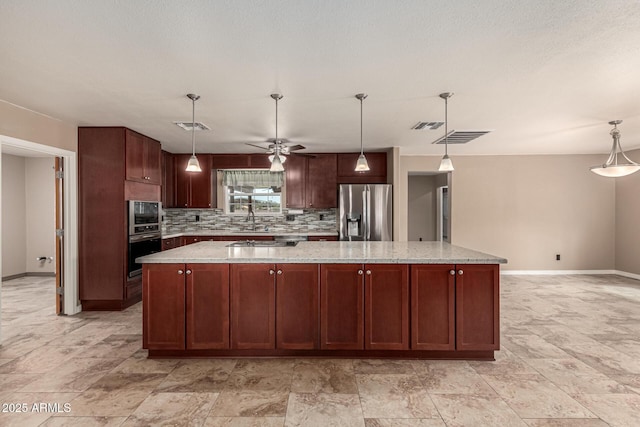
(461, 136)
(189, 126)
(427, 125)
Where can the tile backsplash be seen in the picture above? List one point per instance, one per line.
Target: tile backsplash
(194, 220)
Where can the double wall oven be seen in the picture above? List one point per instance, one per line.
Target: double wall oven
(144, 232)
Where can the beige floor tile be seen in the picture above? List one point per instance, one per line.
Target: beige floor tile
(614, 409)
(324, 376)
(40, 360)
(140, 364)
(201, 376)
(459, 410)
(115, 346)
(33, 413)
(244, 422)
(83, 422)
(394, 396)
(605, 359)
(76, 375)
(533, 396)
(533, 347)
(559, 422)
(179, 409)
(250, 404)
(327, 409)
(453, 377)
(400, 422)
(506, 362)
(382, 366)
(15, 382)
(261, 375)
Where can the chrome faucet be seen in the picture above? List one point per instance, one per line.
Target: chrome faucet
(251, 215)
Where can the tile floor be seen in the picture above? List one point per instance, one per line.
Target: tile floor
(570, 357)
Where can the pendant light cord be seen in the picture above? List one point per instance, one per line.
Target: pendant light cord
(446, 130)
(361, 146)
(193, 126)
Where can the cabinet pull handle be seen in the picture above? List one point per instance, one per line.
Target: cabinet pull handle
(180, 272)
(271, 272)
(360, 272)
(452, 272)
(279, 271)
(368, 272)
(460, 272)
(188, 271)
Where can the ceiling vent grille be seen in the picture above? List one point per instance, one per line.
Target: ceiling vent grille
(461, 136)
(427, 125)
(189, 126)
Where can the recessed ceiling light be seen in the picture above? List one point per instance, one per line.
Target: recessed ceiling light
(189, 126)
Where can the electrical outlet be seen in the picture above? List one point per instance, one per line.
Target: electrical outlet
(557, 257)
(197, 218)
(321, 217)
(290, 217)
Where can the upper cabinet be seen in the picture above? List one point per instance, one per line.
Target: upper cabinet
(168, 192)
(143, 158)
(312, 181)
(193, 189)
(376, 175)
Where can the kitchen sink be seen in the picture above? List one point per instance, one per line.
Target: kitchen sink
(262, 244)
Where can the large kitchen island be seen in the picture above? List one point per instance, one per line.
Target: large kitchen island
(322, 299)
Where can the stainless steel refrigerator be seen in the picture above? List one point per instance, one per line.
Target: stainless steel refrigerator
(365, 212)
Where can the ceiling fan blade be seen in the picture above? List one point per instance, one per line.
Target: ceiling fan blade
(254, 145)
(302, 155)
(297, 147)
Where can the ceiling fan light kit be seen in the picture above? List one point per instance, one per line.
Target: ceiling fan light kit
(614, 168)
(446, 165)
(361, 165)
(193, 165)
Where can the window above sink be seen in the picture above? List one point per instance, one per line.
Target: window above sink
(251, 190)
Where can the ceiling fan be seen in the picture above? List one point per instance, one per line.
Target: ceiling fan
(279, 148)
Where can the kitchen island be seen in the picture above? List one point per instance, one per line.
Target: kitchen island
(322, 299)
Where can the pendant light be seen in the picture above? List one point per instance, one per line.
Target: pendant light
(276, 162)
(193, 165)
(612, 167)
(362, 165)
(445, 164)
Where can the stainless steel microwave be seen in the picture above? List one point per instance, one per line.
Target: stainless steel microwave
(144, 217)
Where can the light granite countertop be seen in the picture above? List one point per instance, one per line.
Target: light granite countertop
(239, 234)
(325, 252)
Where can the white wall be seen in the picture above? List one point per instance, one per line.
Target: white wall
(628, 220)
(14, 238)
(40, 213)
(421, 215)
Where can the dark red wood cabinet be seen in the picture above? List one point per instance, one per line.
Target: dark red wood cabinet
(186, 306)
(477, 307)
(377, 173)
(143, 158)
(433, 307)
(193, 189)
(170, 243)
(168, 180)
(107, 158)
(323, 238)
(311, 181)
(260, 320)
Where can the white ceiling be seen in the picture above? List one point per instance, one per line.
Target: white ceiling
(544, 75)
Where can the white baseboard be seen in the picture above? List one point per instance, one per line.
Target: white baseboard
(565, 272)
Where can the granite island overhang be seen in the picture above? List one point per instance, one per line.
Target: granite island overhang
(322, 299)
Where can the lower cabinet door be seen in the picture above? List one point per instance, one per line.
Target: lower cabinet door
(297, 306)
(207, 306)
(163, 308)
(253, 294)
(477, 307)
(432, 307)
(342, 307)
(386, 297)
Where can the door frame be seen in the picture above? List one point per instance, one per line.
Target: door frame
(70, 208)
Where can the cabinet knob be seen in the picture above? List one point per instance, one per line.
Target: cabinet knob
(360, 272)
(368, 272)
(271, 272)
(279, 271)
(188, 271)
(460, 272)
(180, 272)
(452, 272)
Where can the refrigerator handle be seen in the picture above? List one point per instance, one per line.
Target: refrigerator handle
(368, 212)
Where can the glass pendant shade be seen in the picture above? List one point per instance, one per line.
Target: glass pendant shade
(282, 158)
(362, 165)
(276, 164)
(193, 165)
(614, 168)
(445, 164)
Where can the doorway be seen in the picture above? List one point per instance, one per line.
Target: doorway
(428, 207)
(66, 195)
